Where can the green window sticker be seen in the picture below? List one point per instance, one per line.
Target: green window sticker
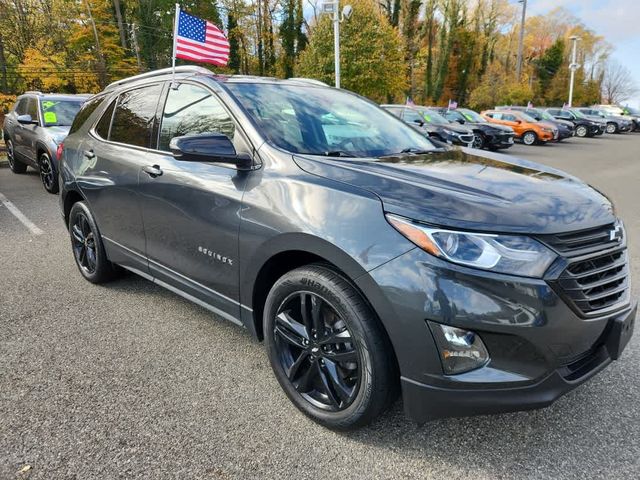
(468, 117)
(50, 117)
(47, 104)
(427, 117)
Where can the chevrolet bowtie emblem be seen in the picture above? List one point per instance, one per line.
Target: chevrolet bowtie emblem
(615, 234)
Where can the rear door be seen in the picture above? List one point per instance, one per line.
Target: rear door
(114, 153)
(191, 210)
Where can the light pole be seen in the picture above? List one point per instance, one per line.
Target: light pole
(332, 7)
(573, 66)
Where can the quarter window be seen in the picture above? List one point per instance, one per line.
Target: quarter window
(21, 106)
(133, 120)
(85, 112)
(102, 128)
(32, 108)
(190, 110)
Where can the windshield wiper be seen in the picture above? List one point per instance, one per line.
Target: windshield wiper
(338, 153)
(414, 151)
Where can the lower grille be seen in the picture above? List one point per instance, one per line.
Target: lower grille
(466, 138)
(596, 283)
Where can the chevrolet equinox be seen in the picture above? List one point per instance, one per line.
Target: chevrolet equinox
(369, 260)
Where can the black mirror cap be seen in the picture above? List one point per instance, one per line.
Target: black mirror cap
(208, 147)
(26, 120)
(419, 122)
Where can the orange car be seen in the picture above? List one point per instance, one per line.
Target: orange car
(527, 129)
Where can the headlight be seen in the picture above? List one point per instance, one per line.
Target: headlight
(448, 132)
(510, 254)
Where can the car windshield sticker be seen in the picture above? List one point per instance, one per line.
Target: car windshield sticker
(50, 117)
(47, 104)
(468, 117)
(427, 117)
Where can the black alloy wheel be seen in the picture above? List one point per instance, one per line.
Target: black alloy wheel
(84, 244)
(47, 173)
(15, 165)
(87, 246)
(478, 141)
(328, 349)
(317, 351)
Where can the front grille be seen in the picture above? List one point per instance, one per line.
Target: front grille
(585, 241)
(596, 278)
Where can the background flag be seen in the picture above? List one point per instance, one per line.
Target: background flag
(200, 41)
(452, 105)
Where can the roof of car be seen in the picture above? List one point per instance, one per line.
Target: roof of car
(59, 96)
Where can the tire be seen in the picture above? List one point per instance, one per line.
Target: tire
(582, 131)
(48, 173)
(15, 165)
(612, 128)
(529, 138)
(85, 236)
(479, 141)
(344, 384)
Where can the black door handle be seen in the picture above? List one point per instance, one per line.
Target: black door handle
(152, 170)
(89, 154)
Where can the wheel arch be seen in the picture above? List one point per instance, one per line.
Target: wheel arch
(71, 197)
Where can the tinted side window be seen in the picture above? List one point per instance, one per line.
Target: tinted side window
(508, 117)
(21, 106)
(396, 111)
(32, 108)
(412, 116)
(102, 127)
(135, 115)
(85, 112)
(190, 110)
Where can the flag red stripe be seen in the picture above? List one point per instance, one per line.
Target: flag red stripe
(209, 47)
(201, 59)
(191, 53)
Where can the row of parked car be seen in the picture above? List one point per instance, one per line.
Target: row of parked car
(497, 128)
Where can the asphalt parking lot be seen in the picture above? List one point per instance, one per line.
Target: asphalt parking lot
(128, 380)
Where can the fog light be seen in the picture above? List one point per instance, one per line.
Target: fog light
(460, 350)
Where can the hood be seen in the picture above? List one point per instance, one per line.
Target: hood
(564, 123)
(459, 189)
(495, 126)
(456, 128)
(58, 132)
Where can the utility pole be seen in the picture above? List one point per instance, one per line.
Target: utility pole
(521, 42)
(134, 37)
(573, 66)
(102, 74)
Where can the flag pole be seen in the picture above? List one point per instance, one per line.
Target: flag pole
(173, 57)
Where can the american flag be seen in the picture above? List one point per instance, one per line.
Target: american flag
(452, 105)
(529, 105)
(200, 41)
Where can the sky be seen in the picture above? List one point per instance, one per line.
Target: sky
(617, 20)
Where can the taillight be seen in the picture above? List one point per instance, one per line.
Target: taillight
(59, 151)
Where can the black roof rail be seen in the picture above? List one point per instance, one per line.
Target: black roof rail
(162, 71)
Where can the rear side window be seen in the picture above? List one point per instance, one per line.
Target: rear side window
(21, 106)
(85, 112)
(103, 125)
(133, 120)
(32, 108)
(191, 110)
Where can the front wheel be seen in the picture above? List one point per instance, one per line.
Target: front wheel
(479, 141)
(327, 348)
(612, 128)
(15, 165)
(48, 173)
(529, 138)
(581, 131)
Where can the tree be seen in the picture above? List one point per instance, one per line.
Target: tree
(292, 37)
(549, 64)
(371, 50)
(617, 84)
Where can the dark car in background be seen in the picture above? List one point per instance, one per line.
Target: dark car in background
(584, 127)
(34, 128)
(486, 135)
(634, 115)
(433, 124)
(366, 257)
(566, 129)
(615, 123)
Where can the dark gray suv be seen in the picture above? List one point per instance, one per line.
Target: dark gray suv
(368, 259)
(34, 129)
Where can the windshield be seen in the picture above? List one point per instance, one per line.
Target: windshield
(546, 115)
(59, 112)
(471, 116)
(578, 113)
(432, 116)
(325, 121)
(632, 111)
(527, 118)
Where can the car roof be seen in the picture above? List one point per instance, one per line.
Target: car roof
(56, 96)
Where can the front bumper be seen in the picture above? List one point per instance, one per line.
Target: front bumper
(500, 140)
(539, 346)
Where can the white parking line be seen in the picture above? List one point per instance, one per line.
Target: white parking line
(33, 228)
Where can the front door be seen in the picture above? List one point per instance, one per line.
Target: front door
(26, 135)
(191, 210)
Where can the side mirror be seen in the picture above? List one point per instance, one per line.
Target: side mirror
(460, 121)
(26, 120)
(208, 147)
(518, 122)
(419, 122)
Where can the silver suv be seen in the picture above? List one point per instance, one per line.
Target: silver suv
(34, 128)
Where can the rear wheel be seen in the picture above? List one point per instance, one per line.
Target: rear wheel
(16, 165)
(327, 348)
(581, 131)
(612, 127)
(529, 138)
(48, 174)
(88, 249)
